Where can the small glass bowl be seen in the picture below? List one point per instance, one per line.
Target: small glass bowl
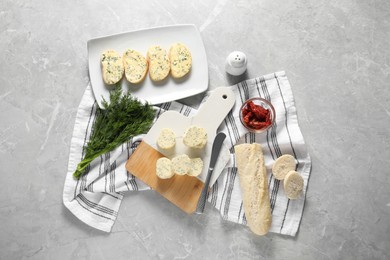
(259, 102)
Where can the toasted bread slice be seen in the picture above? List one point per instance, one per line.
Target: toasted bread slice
(180, 59)
(112, 67)
(135, 65)
(158, 60)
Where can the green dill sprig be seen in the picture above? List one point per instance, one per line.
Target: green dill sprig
(121, 119)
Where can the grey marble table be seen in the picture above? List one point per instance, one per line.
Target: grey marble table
(336, 55)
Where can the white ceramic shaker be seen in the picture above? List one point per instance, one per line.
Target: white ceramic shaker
(236, 63)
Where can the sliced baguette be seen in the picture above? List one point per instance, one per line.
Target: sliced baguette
(293, 185)
(180, 59)
(254, 187)
(135, 66)
(283, 165)
(158, 60)
(112, 67)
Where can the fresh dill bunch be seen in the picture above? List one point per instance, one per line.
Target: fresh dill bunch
(121, 119)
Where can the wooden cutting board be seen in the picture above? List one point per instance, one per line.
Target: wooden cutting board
(183, 191)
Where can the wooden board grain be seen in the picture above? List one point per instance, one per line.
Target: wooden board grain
(182, 190)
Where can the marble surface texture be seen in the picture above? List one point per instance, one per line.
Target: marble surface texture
(337, 57)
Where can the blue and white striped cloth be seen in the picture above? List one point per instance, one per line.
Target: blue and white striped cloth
(95, 198)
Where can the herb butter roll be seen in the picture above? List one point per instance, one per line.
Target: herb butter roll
(196, 167)
(166, 139)
(180, 59)
(112, 67)
(158, 60)
(195, 137)
(135, 65)
(181, 164)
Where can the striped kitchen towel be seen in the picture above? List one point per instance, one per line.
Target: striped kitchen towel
(95, 198)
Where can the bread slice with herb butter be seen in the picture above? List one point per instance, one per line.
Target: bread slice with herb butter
(283, 165)
(135, 66)
(159, 65)
(112, 67)
(180, 59)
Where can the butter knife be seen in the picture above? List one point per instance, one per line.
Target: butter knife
(218, 141)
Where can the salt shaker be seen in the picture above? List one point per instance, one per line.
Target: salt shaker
(236, 63)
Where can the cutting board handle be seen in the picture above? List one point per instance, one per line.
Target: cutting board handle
(213, 111)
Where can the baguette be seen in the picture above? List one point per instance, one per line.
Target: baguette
(254, 187)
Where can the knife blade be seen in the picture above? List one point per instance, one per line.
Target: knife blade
(217, 144)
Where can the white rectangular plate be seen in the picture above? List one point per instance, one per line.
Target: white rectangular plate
(155, 93)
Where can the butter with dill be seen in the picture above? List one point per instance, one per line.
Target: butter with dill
(112, 67)
(180, 59)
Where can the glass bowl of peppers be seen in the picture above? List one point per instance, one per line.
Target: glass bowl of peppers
(257, 115)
